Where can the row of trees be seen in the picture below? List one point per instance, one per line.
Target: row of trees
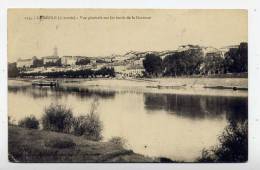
(104, 72)
(12, 70)
(192, 62)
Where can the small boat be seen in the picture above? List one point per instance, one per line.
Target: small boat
(167, 87)
(44, 83)
(226, 87)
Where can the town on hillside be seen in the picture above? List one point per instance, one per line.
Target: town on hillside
(185, 60)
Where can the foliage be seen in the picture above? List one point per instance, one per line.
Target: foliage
(233, 145)
(213, 64)
(236, 59)
(57, 118)
(193, 62)
(104, 71)
(152, 64)
(60, 143)
(29, 122)
(118, 141)
(51, 64)
(37, 63)
(83, 61)
(183, 63)
(12, 70)
(89, 126)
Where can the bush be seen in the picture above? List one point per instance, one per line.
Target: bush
(60, 143)
(29, 122)
(152, 64)
(88, 126)
(233, 145)
(57, 118)
(118, 141)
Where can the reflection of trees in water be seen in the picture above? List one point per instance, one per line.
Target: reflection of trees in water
(58, 92)
(193, 106)
(16, 89)
(86, 92)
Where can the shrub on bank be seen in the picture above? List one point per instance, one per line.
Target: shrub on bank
(29, 122)
(89, 126)
(60, 119)
(117, 140)
(57, 118)
(233, 145)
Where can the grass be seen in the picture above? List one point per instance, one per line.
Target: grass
(30, 145)
(60, 143)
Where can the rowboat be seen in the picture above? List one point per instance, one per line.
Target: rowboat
(226, 87)
(44, 83)
(167, 87)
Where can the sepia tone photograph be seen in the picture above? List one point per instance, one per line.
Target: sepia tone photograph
(127, 85)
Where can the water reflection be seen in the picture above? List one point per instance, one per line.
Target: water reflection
(58, 92)
(170, 125)
(194, 106)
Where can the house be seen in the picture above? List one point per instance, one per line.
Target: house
(71, 60)
(50, 59)
(138, 72)
(227, 48)
(25, 63)
(68, 60)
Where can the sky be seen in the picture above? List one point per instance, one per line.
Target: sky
(82, 32)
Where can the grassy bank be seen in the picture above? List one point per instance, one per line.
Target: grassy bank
(27, 145)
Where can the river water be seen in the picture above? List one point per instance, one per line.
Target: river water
(177, 126)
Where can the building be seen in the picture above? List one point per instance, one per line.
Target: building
(211, 51)
(225, 49)
(50, 59)
(133, 72)
(68, 60)
(71, 60)
(25, 63)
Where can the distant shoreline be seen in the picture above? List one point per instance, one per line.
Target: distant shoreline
(181, 85)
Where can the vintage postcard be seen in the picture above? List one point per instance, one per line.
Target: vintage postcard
(127, 85)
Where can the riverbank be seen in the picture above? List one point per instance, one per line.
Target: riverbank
(173, 81)
(27, 145)
(181, 85)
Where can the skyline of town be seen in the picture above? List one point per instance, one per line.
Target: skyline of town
(166, 30)
(55, 52)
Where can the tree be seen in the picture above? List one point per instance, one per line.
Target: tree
(213, 64)
(152, 64)
(183, 63)
(236, 59)
(12, 70)
(37, 63)
(51, 64)
(232, 147)
(83, 61)
(172, 64)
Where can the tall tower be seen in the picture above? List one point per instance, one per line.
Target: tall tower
(55, 53)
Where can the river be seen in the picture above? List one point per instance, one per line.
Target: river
(173, 125)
